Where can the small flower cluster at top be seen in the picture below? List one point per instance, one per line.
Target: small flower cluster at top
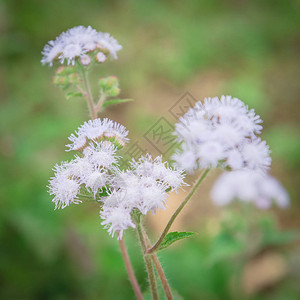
(94, 174)
(224, 133)
(83, 43)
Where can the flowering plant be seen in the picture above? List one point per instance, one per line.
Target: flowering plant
(218, 133)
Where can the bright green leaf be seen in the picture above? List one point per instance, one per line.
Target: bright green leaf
(69, 95)
(172, 237)
(115, 101)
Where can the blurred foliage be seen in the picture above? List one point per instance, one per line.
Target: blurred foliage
(245, 48)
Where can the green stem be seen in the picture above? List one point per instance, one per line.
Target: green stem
(148, 263)
(159, 268)
(89, 96)
(99, 104)
(176, 213)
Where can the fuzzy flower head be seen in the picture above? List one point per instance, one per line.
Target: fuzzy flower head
(141, 189)
(98, 130)
(101, 154)
(63, 187)
(155, 168)
(116, 219)
(77, 42)
(93, 170)
(249, 186)
(220, 132)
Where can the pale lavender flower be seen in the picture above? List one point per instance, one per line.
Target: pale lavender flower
(116, 219)
(97, 130)
(76, 43)
(220, 132)
(101, 155)
(63, 187)
(249, 186)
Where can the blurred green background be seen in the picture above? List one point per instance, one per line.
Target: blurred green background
(248, 49)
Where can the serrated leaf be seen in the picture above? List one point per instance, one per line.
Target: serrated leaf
(115, 101)
(73, 94)
(172, 237)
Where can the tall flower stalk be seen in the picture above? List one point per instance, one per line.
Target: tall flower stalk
(219, 133)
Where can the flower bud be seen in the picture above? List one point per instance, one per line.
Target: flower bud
(85, 60)
(100, 57)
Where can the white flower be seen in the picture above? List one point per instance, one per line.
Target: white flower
(153, 197)
(85, 60)
(107, 42)
(249, 186)
(225, 109)
(228, 134)
(210, 153)
(70, 52)
(155, 168)
(76, 42)
(116, 219)
(100, 57)
(234, 159)
(256, 154)
(79, 167)
(185, 160)
(174, 179)
(96, 180)
(250, 122)
(114, 199)
(193, 131)
(218, 131)
(78, 142)
(96, 130)
(52, 51)
(101, 154)
(63, 188)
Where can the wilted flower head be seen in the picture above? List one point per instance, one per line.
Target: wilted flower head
(76, 43)
(249, 186)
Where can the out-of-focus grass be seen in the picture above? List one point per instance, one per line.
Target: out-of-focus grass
(248, 48)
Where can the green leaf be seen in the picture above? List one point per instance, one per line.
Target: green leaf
(115, 101)
(69, 95)
(172, 237)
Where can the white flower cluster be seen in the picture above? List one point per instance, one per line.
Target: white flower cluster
(98, 141)
(95, 173)
(249, 186)
(143, 187)
(224, 133)
(221, 132)
(78, 42)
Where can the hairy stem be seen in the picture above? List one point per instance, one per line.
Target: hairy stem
(159, 268)
(89, 96)
(176, 213)
(130, 271)
(100, 102)
(148, 263)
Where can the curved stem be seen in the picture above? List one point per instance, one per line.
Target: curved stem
(176, 213)
(159, 268)
(130, 271)
(89, 96)
(148, 263)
